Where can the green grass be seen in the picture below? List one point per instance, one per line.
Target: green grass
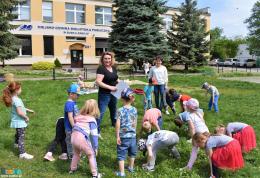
(239, 101)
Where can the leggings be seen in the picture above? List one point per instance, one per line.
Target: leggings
(19, 139)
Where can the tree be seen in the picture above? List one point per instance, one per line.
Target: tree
(9, 43)
(254, 29)
(136, 32)
(187, 37)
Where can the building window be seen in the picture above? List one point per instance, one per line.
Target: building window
(75, 13)
(22, 10)
(72, 38)
(167, 20)
(103, 15)
(26, 45)
(47, 11)
(101, 46)
(48, 45)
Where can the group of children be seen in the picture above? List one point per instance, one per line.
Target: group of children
(77, 131)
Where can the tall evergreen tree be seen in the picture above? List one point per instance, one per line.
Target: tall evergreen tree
(136, 32)
(254, 28)
(187, 37)
(8, 42)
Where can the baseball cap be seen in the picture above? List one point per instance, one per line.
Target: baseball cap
(74, 88)
(126, 93)
(192, 104)
(205, 85)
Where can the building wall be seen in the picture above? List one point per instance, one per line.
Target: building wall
(59, 29)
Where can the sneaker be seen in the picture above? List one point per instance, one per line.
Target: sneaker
(49, 157)
(72, 171)
(119, 174)
(15, 145)
(63, 156)
(131, 170)
(167, 112)
(25, 156)
(147, 168)
(99, 175)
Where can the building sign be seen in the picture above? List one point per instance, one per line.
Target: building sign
(61, 29)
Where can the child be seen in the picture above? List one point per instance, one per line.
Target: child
(80, 82)
(148, 90)
(126, 132)
(152, 118)
(156, 141)
(19, 118)
(223, 152)
(181, 98)
(169, 102)
(70, 111)
(214, 96)
(84, 133)
(244, 133)
(146, 66)
(196, 124)
(59, 139)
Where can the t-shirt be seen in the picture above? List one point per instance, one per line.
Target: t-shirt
(161, 135)
(185, 115)
(213, 90)
(235, 127)
(16, 120)
(128, 121)
(70, 106)
(184, 98)
(218, 141)
(160, 74)
(110, 78)
(148, 91)
(146, 66)
(152, 115)
(197, 119)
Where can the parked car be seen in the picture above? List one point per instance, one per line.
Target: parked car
(213, 62)
(220, 62)
(230, 62)
(247, 63)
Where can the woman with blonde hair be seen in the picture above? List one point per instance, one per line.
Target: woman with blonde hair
(106, 79)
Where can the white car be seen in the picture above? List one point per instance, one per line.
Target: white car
(247, 63)
(230, 62)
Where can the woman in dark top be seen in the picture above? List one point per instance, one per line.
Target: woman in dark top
(106, 79)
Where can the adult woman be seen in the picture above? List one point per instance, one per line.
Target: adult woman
(159, 76)
(106, 79)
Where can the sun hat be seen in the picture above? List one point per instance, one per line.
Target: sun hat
(126, 93)
(192, 104)
(74, 88)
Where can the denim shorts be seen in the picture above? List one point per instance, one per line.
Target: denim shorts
(128, 145)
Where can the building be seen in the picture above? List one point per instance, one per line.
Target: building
(74, 31)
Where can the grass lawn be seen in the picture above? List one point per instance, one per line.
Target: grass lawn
(239, 101)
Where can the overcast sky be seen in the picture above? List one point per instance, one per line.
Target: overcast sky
(226, 14)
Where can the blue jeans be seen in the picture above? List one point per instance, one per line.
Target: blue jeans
(148, 104)
(159, 91)
(104, 100)
(215, 104)
(128, 145)
(160, 122)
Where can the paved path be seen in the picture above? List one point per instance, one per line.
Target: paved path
(246, 79)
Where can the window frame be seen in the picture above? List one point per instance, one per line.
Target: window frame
(75, 39)
(75, 13)
(19, 6)
(48, 55)
(103, 13)
(47, 9)
(20, 53)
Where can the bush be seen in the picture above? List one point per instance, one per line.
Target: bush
(42, 65)
(57, 63)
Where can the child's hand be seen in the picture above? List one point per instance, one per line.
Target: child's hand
(96, 152)
(27, 119)
(113, 88)
(118, 141)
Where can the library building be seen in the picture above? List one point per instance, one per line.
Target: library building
(74, 31)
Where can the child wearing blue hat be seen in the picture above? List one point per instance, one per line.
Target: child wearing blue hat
(126, 132)
(70, 111)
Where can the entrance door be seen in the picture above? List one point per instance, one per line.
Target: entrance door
(76, 58)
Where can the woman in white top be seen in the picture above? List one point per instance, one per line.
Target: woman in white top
(159, 75)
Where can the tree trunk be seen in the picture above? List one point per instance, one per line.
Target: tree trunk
(3, 63)
(186, 67)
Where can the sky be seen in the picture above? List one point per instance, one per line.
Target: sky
(226, 14)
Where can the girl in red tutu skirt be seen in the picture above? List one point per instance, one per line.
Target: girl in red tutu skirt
(242, 132)
(223, 152)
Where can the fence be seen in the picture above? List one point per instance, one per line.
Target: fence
(222, 68)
